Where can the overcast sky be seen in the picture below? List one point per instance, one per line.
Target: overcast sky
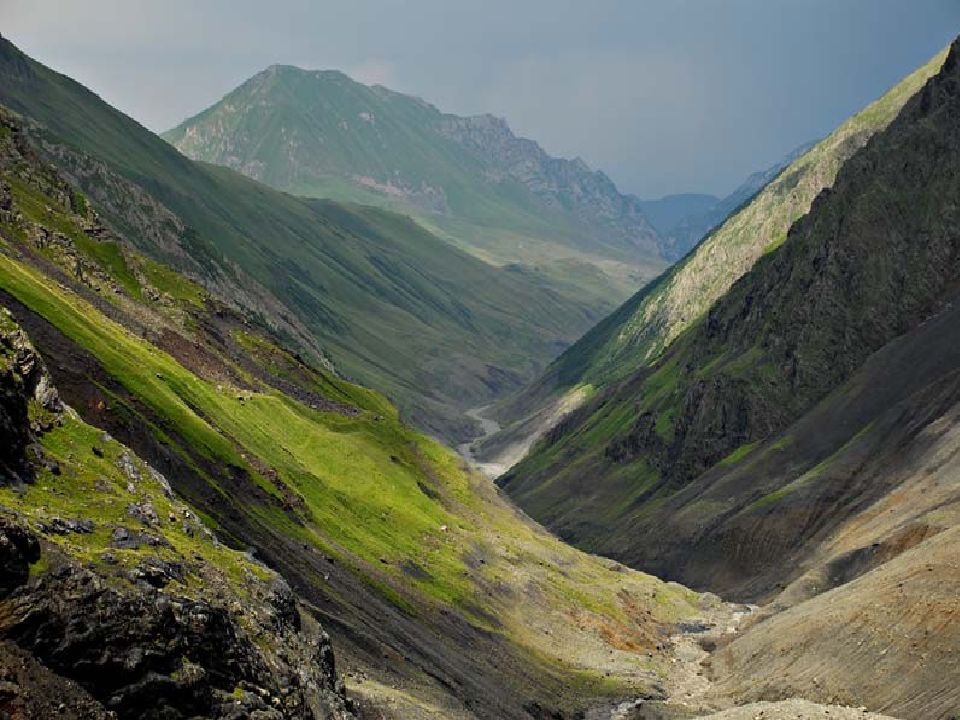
(663, 95)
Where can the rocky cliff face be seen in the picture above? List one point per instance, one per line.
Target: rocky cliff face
(28, 402)
(563, 185)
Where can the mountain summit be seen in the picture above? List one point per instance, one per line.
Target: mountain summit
(321, 134)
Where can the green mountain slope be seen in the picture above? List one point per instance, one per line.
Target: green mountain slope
(668, 468)
(321, 134)
(636, 334)
(386, 536)
(389, 303)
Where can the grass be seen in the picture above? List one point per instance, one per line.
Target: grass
(739, 454)
(636, 335)
(393, 306)
(128, 269)
(406, 147)
(811, 475)
(359, 476)
(362, 477)
(656, 353)
(90, 486)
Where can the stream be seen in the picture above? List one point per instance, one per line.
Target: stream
(487, 428)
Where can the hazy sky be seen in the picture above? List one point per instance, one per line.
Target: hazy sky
(663, 95)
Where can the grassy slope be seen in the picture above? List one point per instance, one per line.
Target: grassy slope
(396, 307)
(637, 333)
(254, 128)
(658, 315)
(393, 507)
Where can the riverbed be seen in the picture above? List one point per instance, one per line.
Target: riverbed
(487, 428)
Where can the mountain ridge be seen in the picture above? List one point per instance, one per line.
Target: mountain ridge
(471, 179)
(637, 333)
(874, 260)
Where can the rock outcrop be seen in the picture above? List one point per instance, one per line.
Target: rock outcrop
(24, 381)
(143, 652)
(561, 184)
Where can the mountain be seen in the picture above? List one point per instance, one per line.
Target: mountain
(797, 444)
(683, 220)
(813, 355)
(637, 333)
(390, 304)
(232, 515)
(667, 212)
(469, 179)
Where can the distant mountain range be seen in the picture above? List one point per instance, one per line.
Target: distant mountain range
(681, 221)
(469, 179)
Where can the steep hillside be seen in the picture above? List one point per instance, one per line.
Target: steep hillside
(390, 304)
(184, 626)
(687, 231)
(885, 637)
(440, 598)
(744, 443)
(501, 197)
(638, 332)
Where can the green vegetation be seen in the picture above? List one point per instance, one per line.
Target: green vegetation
(361, 479)
(695, 397)
(128, 269)
(90, 486)
(739, 454)
(322, 135)
(391, 305)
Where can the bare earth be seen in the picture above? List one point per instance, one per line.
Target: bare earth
(793, 710)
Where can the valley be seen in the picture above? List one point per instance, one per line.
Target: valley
(329, 405)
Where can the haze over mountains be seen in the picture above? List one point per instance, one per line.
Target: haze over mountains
(217, 499)
(683, 220)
